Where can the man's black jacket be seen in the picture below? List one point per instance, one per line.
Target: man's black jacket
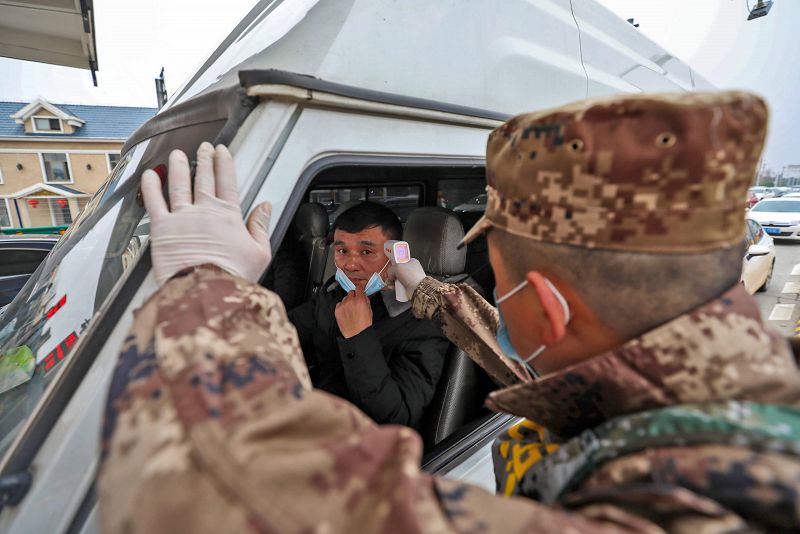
(390, 370)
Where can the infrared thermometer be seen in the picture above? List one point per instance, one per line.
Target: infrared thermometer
(398, 252)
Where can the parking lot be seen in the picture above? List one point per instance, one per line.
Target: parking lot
(780, 304)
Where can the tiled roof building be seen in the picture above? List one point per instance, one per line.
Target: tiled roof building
(53, 157)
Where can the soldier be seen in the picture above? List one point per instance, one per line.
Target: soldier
(656, 398)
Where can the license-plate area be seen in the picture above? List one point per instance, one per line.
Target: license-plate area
(772, 231)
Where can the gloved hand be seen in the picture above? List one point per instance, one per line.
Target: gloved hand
(210, 229)
(409, 274)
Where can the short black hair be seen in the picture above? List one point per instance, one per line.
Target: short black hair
(369, 215)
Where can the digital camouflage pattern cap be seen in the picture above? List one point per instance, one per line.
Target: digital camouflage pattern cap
(649, 173)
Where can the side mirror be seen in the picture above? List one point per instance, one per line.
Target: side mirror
(757, 250)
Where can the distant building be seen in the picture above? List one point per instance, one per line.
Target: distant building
(791, 174)
(53, 157)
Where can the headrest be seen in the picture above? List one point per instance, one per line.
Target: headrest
(310, 221)
(433, 235)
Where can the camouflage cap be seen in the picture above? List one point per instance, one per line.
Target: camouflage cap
(649, 173)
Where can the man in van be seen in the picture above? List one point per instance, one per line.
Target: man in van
(657, 401)
(359, 342)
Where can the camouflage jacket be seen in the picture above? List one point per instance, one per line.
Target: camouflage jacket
(212, 426)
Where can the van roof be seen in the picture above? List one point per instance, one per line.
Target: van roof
(508, 57)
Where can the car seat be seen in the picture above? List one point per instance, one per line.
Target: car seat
(477, 254)
(433, 235)
(311, 224)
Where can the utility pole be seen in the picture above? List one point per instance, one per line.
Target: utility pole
(760, 171)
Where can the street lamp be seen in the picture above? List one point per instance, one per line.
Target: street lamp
(759, 10)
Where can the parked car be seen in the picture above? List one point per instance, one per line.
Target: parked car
(476, 203)
(752, 200)
(760, 192)
(759, 258)
(310, 96)
(780, 217)
(780, 191)
(20, 255)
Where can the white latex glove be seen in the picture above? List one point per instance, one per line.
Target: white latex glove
(210, 229)
(409, 274)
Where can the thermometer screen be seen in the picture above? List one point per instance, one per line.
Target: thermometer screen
(401, 253)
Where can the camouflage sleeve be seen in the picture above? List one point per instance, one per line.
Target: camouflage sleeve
(211, 426)
(470, 322)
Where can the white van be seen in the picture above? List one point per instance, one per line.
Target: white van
(322, 103)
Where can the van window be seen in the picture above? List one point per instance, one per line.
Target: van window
(52, 312)
(462, 195)
(337, 200)
(404, 189)
(400, 199)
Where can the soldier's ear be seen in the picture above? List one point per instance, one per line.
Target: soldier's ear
(552, 309)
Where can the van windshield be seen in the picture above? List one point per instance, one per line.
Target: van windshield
(57, 305)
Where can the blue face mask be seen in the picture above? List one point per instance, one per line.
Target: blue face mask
(344, 281)
(504, 340)
(374, 284)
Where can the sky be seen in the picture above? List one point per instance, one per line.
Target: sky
(136, 39)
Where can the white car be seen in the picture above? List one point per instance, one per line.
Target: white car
(780, 217)
(759, 259)
(337, 100)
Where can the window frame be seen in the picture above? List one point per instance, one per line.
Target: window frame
(44, 169)
(451, 451)
(8, 211)
(54, 200)
(37, 130)
(108, 160)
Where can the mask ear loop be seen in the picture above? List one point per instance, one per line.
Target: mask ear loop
(382, 269)
(531, 372)
(560, 298)
(528, 367)
(511, 293)
(565, 307)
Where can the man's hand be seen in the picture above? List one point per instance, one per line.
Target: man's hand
(208, 229)
(353, 313)
(409, 274)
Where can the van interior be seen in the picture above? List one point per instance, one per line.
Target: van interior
(436, 204)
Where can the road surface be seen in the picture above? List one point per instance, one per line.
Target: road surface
(780, 304)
